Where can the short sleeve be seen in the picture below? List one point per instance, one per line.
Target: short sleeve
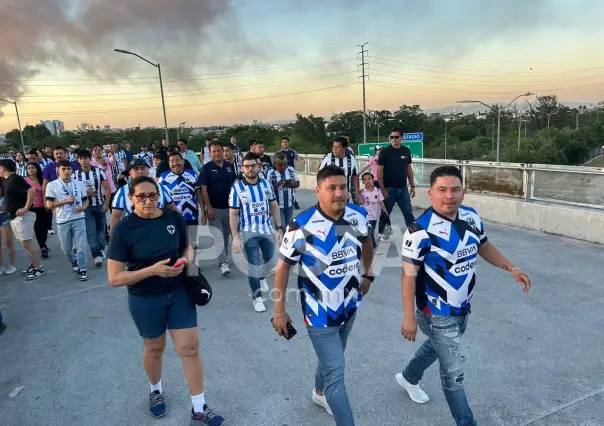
(353, 160)
(46, 172)
(165, 195)
(102, 175)
(324, 162)
(233, 198)
(380, 195)
(51, 194)
(482, 236)
(119, 201)
(292, 244)
(273, 197)
(364, 227)
(118, 246)
(409, 159)
(382, 158)
(416, 244)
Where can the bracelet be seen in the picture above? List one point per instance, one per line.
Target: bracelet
(280, 315)
(514, 268)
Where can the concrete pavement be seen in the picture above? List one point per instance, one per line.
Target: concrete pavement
(532, 358)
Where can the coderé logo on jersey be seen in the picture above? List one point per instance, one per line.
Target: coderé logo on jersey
(463, 268)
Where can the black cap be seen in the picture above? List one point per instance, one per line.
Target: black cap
(137, 163)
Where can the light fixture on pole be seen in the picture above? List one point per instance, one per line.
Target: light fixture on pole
(446, 119)
(178, 131)
(18, 122)
(161, 85)
(498, 111)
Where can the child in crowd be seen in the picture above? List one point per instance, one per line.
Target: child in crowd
(373, 201)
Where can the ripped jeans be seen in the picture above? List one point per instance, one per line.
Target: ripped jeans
(444, 338)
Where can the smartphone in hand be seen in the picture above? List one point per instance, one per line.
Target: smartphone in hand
(180, 262)
(291, 331)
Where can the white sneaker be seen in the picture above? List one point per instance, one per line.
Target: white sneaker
(321, 401)
(98, 261)
(224, 269)
(415, 392)
(10, 270)
(51, 232)
(264, 286)
(259, 305)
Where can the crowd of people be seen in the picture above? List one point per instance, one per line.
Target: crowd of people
(158, 198)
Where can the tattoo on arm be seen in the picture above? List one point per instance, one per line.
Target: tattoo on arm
(506, 267)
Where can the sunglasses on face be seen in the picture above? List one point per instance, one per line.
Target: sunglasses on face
(395, 137)
(142, 197)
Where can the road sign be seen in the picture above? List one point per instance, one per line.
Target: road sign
(419, 136)
(416, 148)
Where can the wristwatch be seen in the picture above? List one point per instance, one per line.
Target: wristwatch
(371, 278)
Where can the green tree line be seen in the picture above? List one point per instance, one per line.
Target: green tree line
(543, 132)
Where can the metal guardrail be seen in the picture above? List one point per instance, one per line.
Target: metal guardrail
(569, 185)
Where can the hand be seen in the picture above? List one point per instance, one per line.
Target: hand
(22, 211)
(105, 208)
(412, 192)
(204, 219)
(280, 324)
(279, 236)
(357, 198)
(211, 213)
(409, 328)
(384, 193)
(236, 244)
(79, 209)
(522, 279)
(365, 285)
(161, 269)
(69, 199)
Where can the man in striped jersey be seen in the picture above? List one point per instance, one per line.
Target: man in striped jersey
(97, 186)
(341, 157)
(21, 164)
(284, 179)
(251, 203)
(121, 203)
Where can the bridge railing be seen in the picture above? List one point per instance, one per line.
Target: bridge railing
(570, 185)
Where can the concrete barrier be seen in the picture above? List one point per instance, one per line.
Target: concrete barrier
(573, 222)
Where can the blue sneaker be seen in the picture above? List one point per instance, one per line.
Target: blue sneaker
(157, 406)
(207, 418)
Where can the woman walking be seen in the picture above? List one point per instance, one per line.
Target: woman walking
(34, 179)
(7, 235)
(143, 250)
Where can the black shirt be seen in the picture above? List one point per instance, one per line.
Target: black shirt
(266, 163)
(164, 166)
(395, 162)
(218, 181)
(140, 243)
(15, 193)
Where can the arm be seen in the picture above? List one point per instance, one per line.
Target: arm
(107, 190)
(411, 179)
(233, 222)
(409, 325)
(380, 178)
(280, 315)
(118, 276)
(116, 215)
(31, 195)
(206, 201)
(491, 254)
(277, 218)
(355, 182)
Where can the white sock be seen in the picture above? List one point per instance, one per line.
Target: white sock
(156, 387)
(198, 402)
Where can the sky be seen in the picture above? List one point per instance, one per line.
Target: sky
(233, 61)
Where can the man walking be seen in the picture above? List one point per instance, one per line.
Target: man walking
(284, 180)
(189, 155)
(98, 192)
(67, 198)
(341, 157)
(251, 203)
(216, 179)
(18, 199)
(394, 169)
(329, 241)
(440, 252)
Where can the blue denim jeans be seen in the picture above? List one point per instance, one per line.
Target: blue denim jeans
(73, 235)
(95, 229)
(287, 214)
(373, 224)
(444, 337)
(0, 317)
(401, 197)
(253, 244)
(329, 344)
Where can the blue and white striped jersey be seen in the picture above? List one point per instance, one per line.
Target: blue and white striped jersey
(147, 157)
(122, 202)
(21, 169)
(285, 195)
(253, 203)
(183, 189)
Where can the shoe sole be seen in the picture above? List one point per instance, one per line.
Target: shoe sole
(160, 415)
(35, 278)
(318, 403)
(410, 397)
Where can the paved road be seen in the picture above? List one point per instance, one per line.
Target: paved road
(533, 358)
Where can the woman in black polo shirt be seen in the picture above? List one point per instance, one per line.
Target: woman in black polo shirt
(143, 249)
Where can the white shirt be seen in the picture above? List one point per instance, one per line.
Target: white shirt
(57, 190)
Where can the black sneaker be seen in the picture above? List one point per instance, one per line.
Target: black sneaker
(74, 266)
(35, 274)
(157, 405)
(207, 418)
(44, 253)
(2, 328)
(28, 271)
(83, 275)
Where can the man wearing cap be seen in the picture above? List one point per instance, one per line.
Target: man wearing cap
(121, 203)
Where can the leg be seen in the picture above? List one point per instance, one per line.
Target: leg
(186, 344)
(78, 232)
(251, 247)
(328, 345)
(91, 232)
(226, 233)
(373, 224)
(66, 241)
(153, 357)
(49, 220)
(425, 354)
(289, 215)
(446, 338)
(404, 203)
(100, 220)
(267, 246)
(40, 227)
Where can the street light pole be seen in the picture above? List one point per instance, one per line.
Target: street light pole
(178, 131)
(18, 122)
(498, 116)
(161, 85)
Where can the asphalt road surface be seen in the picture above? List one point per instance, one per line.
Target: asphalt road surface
(532, 359)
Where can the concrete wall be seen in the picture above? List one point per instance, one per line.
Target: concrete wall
(573, 222)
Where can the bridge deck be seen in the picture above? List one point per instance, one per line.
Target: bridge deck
(74, 349)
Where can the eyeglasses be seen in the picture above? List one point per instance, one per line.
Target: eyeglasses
(142, 197)
(394, 137)
(249, 166)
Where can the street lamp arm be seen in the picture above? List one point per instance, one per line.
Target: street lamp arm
(127, 52)
(7, 101)
(516, 98)
(477, 102)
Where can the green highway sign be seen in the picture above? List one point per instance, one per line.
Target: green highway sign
(416, 148)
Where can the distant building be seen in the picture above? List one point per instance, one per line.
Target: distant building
(54, 126)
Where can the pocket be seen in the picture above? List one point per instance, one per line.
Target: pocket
(445, 323)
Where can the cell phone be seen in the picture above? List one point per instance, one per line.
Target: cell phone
(180, 262)
(291, 331)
